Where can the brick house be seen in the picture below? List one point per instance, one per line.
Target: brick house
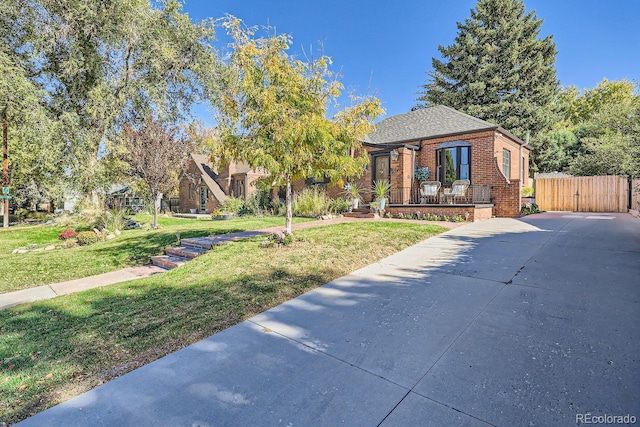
(454, 146)
(203, 189)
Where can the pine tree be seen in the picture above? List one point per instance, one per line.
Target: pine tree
(498, 69)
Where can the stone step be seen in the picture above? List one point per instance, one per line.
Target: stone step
(361, 210)
(358, 215)
(198, 242)
(185, 251)
(169, 261)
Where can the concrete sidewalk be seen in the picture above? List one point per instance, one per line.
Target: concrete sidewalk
(506, 322)
(11, 299)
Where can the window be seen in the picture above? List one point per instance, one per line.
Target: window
(191, 191)
(506, 163)
(453, 163)
(318, 179)
(239, 188)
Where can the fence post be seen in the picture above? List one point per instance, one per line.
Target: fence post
(630, 191)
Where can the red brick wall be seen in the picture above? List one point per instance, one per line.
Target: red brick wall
(486, 162)
(186, 204)
(472, 213)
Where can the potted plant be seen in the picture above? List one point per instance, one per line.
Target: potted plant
(422, 173)
(381, 188)
(375, 207)
(352, 194)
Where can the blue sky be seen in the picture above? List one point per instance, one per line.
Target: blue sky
(385, 48)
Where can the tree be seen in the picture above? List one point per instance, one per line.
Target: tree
(611, 154)
(273, 114)
(599, 133)
(103, 64)
(35, 167)
(498, 69)
(553, 151)
(155, 153)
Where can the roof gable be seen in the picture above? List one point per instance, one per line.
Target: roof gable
(203, 165)
(426, 123)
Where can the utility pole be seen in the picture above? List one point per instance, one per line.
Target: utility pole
(5, 166)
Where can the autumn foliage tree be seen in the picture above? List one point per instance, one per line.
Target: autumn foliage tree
(273, 114)
(155, 153)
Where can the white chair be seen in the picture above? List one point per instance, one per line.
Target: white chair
(429, 191)
(458, 190)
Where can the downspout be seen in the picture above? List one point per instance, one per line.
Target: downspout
(413, 169)
(522, 163)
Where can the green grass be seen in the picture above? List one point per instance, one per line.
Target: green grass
(132, 247)
(55, 349)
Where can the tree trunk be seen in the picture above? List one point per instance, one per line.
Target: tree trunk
(154, 198)
(289, 214)
(5, 167)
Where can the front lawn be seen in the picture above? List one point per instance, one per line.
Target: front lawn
(132, 247)
(53, 350)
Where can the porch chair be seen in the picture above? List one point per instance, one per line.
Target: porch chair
(458, 190)
(429, 191)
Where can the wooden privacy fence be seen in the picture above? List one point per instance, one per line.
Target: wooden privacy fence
(635, 194)
(583, 194)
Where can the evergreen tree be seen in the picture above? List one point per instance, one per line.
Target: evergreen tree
(498, 69)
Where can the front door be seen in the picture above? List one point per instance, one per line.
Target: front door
(203, 199)
(381, 168)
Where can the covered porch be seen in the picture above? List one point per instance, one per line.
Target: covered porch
(475, 194)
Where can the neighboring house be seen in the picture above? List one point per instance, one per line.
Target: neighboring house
(203, 189)
(123, 196)
(455, 146)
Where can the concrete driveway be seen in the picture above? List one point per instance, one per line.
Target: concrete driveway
(529, 321)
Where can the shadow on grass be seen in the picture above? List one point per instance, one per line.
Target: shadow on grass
(53, 350)
(140, 248)
(56, 349)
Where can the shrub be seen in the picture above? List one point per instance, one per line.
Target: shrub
(311, 202)
(21, 213)
(527, 192)
(260, 203)
(112, 220)
(69, 243)
(281, 238)
(67, 234)
(40, 216)
(233, 205)
(338, 206)
(87, 238)
(529, 208)
(89, 216)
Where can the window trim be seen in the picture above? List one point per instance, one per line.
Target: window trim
(506, 162)
(441, 160)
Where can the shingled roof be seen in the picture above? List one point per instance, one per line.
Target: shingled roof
(208, 176)
(426, 123)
